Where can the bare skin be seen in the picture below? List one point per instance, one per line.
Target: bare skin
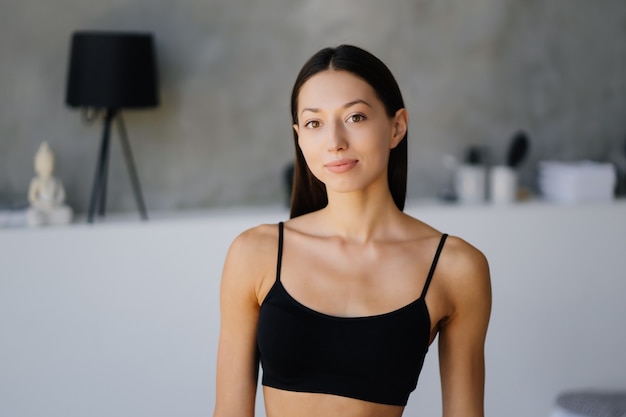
(359, 256)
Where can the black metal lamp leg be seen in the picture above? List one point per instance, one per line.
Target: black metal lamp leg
(110, 116)
(130, 164)
(99, 184)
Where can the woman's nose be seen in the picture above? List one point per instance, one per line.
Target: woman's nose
(337, 138)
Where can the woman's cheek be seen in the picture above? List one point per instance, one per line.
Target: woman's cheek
(311, 161)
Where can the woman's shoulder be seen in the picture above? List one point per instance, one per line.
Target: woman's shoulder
(257, 234)
(462, 254)
(251, 258)
(464, 270)
(457, 252)
(255, 242)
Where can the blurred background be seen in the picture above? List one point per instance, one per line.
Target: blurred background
(472, 73)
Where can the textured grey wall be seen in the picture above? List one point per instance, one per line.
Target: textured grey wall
(471, 71)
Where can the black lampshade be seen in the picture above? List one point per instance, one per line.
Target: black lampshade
(112, 70)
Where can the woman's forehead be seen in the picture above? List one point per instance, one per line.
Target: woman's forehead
(333, 88)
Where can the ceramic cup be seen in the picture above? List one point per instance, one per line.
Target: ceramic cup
(469, 184)
(502, 185)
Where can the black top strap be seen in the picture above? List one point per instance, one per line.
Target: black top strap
(280, 250)
(434, 264)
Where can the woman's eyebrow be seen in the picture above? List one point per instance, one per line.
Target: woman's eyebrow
(345, 106)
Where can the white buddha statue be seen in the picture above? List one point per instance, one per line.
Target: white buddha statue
(46, 194)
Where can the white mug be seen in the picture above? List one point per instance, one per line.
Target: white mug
(469, 184)
(502, 184)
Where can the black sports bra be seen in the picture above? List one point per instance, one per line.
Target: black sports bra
(374, 358)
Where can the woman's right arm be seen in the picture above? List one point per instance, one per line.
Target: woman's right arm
(237, 365)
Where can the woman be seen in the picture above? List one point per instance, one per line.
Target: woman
(341, 302)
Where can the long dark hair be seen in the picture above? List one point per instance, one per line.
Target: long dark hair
(309, 193)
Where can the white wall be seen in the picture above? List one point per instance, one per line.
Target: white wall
(122, 318)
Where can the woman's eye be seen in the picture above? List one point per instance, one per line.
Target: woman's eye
(312, 124)
(355, 118)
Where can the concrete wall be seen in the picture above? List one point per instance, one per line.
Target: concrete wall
(472, 72)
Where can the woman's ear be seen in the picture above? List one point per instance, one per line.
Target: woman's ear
(400, 126)
(296, 128)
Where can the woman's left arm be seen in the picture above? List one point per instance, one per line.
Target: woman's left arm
(462, 334)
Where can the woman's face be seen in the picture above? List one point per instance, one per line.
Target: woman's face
(344, 132)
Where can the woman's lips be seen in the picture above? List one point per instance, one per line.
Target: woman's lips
(341, 165)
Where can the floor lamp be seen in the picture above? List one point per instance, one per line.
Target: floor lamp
(111, 71)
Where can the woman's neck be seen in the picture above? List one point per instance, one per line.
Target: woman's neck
(360, 217)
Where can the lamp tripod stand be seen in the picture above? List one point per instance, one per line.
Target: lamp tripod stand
(99, 190)
(112, 71)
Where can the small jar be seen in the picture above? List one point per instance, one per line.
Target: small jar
(469, 184)
(502, 185)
